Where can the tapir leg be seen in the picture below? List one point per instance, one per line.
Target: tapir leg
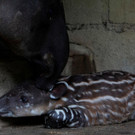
(65, 117)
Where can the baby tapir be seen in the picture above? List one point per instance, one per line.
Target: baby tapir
(76, 101)
(36, 30)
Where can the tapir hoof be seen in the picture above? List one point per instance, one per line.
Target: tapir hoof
(54, 119)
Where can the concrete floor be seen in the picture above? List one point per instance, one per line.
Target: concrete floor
(127, 128)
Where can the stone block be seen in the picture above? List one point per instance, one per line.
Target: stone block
(112, 50)
(85, 11)
(81, 61)
(122, 11)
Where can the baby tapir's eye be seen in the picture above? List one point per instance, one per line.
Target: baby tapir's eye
(24, 99)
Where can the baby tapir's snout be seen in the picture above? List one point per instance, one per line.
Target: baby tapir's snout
(4, 107)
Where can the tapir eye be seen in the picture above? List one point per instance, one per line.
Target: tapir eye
(50, 15)
(24, 99)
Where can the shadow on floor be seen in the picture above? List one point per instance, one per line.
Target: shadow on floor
(24, 121)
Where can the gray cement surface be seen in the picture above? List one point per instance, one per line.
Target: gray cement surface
(127, 128)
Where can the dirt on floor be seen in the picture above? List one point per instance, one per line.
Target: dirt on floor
(36, 128)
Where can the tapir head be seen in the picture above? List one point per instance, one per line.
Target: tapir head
(36, 30)
(24, 100)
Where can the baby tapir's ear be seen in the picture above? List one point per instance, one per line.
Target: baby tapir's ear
(58, 91)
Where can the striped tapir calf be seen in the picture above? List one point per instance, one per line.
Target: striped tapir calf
(76, 101)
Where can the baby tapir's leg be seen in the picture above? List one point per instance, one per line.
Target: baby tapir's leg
(66, 117)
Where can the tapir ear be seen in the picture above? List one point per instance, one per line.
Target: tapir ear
(58, 91)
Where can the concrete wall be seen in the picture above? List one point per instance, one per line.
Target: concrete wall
(107, 27)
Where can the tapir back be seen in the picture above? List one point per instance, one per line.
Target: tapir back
(105, 97)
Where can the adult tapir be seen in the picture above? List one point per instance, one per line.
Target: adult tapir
(35, 29)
